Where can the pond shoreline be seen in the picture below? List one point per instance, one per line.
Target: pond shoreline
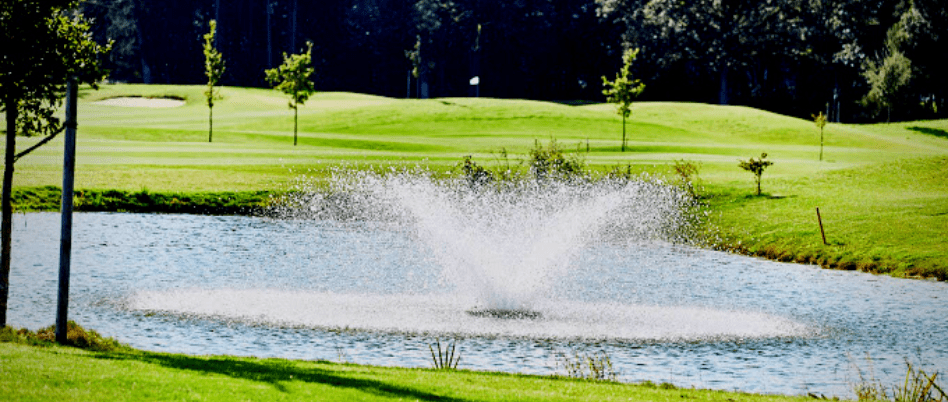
(258, 203)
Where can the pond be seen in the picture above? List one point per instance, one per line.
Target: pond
(366, 292)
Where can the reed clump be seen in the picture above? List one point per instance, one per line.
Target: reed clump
(445, 359)
(595, 366)
(919, 386)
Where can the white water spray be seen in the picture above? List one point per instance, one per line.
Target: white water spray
(504, 246)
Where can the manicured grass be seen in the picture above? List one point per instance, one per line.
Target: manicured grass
(881, 188)
(54, 373)
(887, 218)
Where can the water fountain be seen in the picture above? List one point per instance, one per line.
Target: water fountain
(378, 265)
(499, 256)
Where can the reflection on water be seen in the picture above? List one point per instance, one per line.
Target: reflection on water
(309, 290)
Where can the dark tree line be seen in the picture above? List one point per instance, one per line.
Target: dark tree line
(790, 56)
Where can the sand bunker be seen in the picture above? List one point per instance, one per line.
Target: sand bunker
(141, 102)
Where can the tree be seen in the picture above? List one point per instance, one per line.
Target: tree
(293, 78)
(623, 89)
(820, 120)
(717, 36)
(214, 70)
(888, 73)
(756, 167)
(44, 44)
(443, 27)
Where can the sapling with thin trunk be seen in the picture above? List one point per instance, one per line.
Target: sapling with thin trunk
(293, 78)
(820, 120)
(756, 166)
(623, 89)
(214, 70)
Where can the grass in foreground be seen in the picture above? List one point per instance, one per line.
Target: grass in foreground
(54, 373)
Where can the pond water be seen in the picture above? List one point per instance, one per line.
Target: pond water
(366, 293)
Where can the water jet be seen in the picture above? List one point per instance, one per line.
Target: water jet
(382, 265)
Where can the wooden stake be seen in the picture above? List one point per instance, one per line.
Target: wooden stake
(820, 219)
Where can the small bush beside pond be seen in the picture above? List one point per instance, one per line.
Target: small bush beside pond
(76, 336)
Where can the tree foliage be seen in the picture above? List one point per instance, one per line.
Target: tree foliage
(32, 74)
(623, 89)
(214, 70)
(293, 78)
(44, 44)
(889, 72)
(756, 166)
(782, 56)
(721, 36)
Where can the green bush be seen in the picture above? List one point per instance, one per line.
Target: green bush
(550, 162)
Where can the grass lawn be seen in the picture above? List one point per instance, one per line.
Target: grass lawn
(54, 373)
(882, 189)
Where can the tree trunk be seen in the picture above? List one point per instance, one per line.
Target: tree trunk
(722, 94)
(210, 121)
(623, 133)
(146, 71)
(6, 226)
(219, 35)
(296, 113)
(269, 36)
(821, 144)
(293, 29)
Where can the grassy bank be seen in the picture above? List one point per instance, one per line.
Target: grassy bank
(887, 218)
(55, 373)
(881, 188)
(49, 198)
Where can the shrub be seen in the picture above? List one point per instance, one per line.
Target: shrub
(686, 170)
(475, 174)
(550, 162)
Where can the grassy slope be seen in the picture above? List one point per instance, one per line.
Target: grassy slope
(881, 188)
(58, 373)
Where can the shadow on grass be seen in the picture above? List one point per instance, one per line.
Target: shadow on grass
(768, 196)
(275, 372)
(930, 131)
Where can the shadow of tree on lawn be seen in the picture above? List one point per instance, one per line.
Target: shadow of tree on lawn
(275, 372)
(930, 131)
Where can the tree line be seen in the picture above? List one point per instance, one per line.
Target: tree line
(854, 60)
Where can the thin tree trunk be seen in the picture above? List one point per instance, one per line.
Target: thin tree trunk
(6, 226)
(210, 121)
(722, 94)
(269, 36)
(623, 133)
(146, 70)
(293, 29)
